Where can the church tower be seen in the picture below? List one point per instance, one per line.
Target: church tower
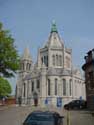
(52, 54)
(25, 69)
(25, 63)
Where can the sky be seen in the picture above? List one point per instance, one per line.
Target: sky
(29, 22)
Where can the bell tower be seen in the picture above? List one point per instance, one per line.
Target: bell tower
(25, 63)
(25, 68)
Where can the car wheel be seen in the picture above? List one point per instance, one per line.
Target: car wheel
(66, 107)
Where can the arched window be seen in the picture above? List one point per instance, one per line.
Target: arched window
(24, 90)
(60, 60)
(49, 87)
(56, 60)
(70, 87)
(64, 87)
(53, 60)
(38, 84)
(29, 66)
(46, 60)
(42, 60)
(32, 86)
(55, 86)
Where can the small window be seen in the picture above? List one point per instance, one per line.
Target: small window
(64, 87)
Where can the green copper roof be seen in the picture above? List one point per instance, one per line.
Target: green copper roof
(53, 27)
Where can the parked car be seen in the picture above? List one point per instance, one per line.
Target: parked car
(44, 118)
(76, 104)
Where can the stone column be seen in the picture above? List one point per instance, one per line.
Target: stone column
(43, 86)
(26, 92)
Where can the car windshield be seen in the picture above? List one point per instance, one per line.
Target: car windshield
(71, 102)
(41, 117)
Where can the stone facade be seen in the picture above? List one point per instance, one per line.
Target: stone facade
(52, 76)
(88, 67)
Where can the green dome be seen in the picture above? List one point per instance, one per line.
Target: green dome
(53, 27)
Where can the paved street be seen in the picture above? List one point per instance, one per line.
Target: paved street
(13, 115)
(16, 115)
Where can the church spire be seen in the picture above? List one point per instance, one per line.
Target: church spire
(53, 27)
(26, 54)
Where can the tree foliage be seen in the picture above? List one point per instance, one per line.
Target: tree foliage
(9, 59)
(5, 88)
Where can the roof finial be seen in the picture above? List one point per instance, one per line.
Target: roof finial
(54, 28)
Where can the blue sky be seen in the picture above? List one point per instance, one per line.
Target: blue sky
(30, 22)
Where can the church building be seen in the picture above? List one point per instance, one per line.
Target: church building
(52, 76)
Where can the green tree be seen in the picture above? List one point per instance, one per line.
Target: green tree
(9, 59)
(5, 88)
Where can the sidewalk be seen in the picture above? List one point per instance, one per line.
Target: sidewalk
(4, 107)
